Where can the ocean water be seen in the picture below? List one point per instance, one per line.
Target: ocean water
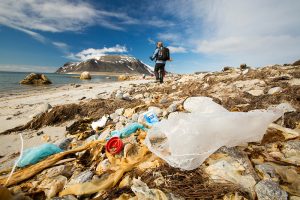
(9, 81)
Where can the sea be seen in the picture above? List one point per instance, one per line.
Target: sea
(9, 81)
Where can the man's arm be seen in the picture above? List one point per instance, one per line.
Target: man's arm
(154, 54)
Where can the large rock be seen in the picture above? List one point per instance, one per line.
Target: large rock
(85, 76)
(36, 79)
(269, 190)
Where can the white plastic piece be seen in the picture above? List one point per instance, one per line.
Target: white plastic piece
(100, 123)
(185, 140)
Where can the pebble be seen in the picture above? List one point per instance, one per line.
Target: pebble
(82, 177)
(119, 111)
(156, 110)
(275, 90)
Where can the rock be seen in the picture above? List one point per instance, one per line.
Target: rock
(138, 96)
(174, 87)
(122, 119)
(55, 171)
(123, 78)
(119, 94)
(165, 113)
(119, 111)
(35, 79)
(41, 109)
(103, 166)
(269, 190)
(64, 143)
(267, 172)
(135, 117)
(113, 116)
(77, 85)
(82, 177)
(156, 110)
(256, 92)
(8, 118)
(233, 165)
(275, 90)
(243, 66)
(129, 112)
(163, 100)
(146, 94)
(40, 133)
(85, 76)
(52, 186)
(172, 108)
(142, 191)
(66, 197)
(46, 138)
(119, 126)
(126, 96)
(141, 118)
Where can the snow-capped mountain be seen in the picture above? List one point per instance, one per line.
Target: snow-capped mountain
(108, 63)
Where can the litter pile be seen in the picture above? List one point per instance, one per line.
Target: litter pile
(223, 135)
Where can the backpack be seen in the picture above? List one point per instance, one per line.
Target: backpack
(163, 54)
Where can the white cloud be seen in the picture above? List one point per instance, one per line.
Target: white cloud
(27, 68)
(61, 45)
(58, 15)
(177, 49)
(170, 37)
(151, 41)
(97, 53)
(254, 31)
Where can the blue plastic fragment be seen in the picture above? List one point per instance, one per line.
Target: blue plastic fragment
(35, 154)
(150, 117)
(127, 131)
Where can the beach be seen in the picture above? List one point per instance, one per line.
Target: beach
(240, 122)
(19, 108)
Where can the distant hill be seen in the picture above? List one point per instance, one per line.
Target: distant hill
(108, 64)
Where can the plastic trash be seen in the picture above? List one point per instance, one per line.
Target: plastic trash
(35, 154)
(127, 131)
(114, 145)
(150, 117)
(185, 140)
(100, 123)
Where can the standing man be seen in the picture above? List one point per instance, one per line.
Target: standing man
(160, 55)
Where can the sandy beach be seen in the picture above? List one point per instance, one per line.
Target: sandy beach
(19, 108)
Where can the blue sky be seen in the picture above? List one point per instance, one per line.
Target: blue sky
(203, 35)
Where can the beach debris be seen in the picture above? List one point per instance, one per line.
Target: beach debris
(34, 169)
(275, 90)
(35, 154)
(36, 79)
(85, 76)
(127, 131)
(226, 173)
(100, 123)
(114, 145)
(150, 117)
(176, 140)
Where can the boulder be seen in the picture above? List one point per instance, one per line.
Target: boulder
(35, 79)
(123, 78)
(85, 76)
(269, 190)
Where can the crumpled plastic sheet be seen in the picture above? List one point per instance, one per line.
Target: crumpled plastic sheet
(185, 140)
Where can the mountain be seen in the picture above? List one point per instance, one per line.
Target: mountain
(108, 64)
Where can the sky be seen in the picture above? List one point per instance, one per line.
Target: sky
(202, 35)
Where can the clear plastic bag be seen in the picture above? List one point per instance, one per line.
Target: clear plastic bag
(185, 140)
